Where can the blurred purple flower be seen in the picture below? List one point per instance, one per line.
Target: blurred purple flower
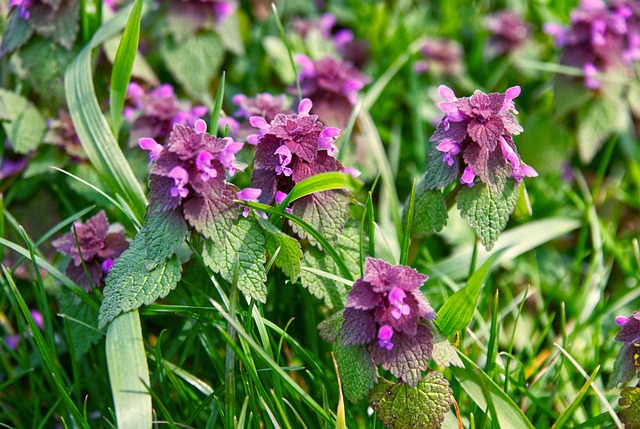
(508, 32)
(62, 133)
(263, 104)
(475, 135)
(200, 11)
(442, 56)
(11, 167)
(23, 7)
(154, 113)
(95, 245)
(323, 25)
(385, 310)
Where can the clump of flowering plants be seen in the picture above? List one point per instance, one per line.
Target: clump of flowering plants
(473, 147)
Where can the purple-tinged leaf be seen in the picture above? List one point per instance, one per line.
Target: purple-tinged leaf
(212, 214)
(358, 327)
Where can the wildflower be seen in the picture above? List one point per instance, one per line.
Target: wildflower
(92, 243)
(442, 56)
(291, 148)
(475, 136)
(154, 113)
(23, 7)
(333, 86)
(62, 133)
(12, 341)
(385, 310)
(248, 194)
(508, 32)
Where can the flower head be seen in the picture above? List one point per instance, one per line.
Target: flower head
(62, 133)
(442, 56)
(291, 148)
(385, 310)
(92, 243)
(508, 32)
(475, 136)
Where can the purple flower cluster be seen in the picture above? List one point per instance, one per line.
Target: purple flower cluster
(441, 56)
(385, 310)
(92, 243)
(475, 136)
(201, 10)
(601, 37)
(154, 113)
(333, 86)
(289, 149)
(63, 133)
(508, 32)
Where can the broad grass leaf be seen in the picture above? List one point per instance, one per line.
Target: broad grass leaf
(130, 285)
(243, 249)
(24, 125)
(290, 253)
(402, 407)
(487, 209)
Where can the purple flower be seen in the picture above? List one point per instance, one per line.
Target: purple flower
(62, 133)
(322, 25)
(508, 32)
(600, 38)
(475, 136)
(385, 310)
(333, 86)
(443, 56)
(95, 246)
(630, 329)
(23, 6)
(291, 148)
(154, 113)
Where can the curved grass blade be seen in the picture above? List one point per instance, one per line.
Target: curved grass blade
(215, 115)
(406, 236)
(286, 43)
(321, 182)
(122, 66)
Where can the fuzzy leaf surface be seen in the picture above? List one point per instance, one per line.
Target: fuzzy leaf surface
(213, 216)
(163, 232)
(129, 284)
(25, 127)
(326, 211)
(402, 407)
(290, 254)
(630, 415)
(331, 327)
(438, 173)
(597, 120)
(444, 353)
(243, 246)
(487, 210)
(429, 212)
(624, 368)
(357, 370)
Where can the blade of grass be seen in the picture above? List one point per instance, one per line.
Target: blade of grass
(406, 236)
(286, 43)
(122, 66)
(217, 108)
(568, 412)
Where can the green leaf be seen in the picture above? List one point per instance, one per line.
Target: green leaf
(122, 66)
(141, 68)
(348, 249)
(624, 368)
(129, 284)
(331, 327)
(163, 232)
(444, 353)
(243, 249)
(479, 385)
(457, 311)
(438, 173)
(25, 127)
(194, 62)
(321, 182)
(60, 25)
(217, 107)
(16, 34)
(290, 253)
(326, 211)
(402, 407)
(429, 213)
(597, 120)
(523, 205)
(357, 370)
(81, 321)
(231, 36)
(487, 210)
(630, 398)
(128, 372)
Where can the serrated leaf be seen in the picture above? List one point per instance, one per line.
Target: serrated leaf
(402, 407)
(77, 316)
(194, 62)
(129, 284)
(25, 127)
(326, 211)
(17, 34)
(333, 292)
(213, 216)
(331, 327)
(243, 248)
(438, 173)
(624, 368)
(357, 370)
(597, 120)
(60, 24)
(163, 232)
(630, 398)
(444, 353)
(429, 212)
(290, 253)
(487, 210)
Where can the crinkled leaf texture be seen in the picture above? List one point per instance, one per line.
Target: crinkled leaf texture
(163, 232)
(326, 211)
(290, 253)
(331, 327)
(624, 368)
(25, 127)
(357, 371)
(630, 415)
(243, 249)
(347, 245)
(78, 315)
(129, 284)
(444, 353)
(429, 211)
(213, 215)
(487, 209)
(597, 120)
(439, 174)
(402, 407)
